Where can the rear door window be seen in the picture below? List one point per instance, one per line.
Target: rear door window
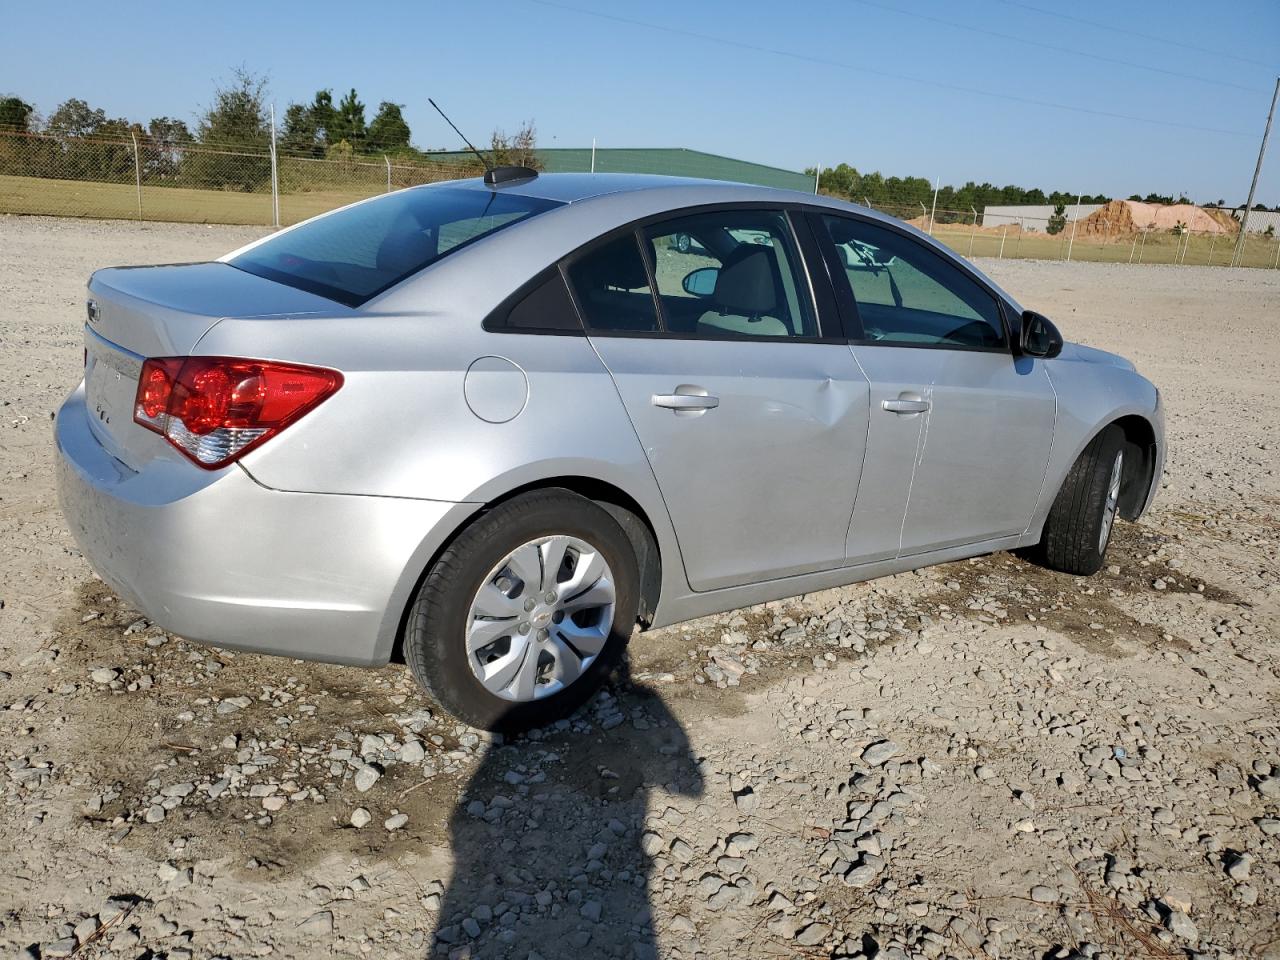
(730, 273)
(355, 253)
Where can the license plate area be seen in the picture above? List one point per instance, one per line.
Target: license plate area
(111, 384)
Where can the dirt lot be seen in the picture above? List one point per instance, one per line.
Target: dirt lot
(981, 759)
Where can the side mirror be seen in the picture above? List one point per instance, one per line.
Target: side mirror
(1039, 337)
(701, 282)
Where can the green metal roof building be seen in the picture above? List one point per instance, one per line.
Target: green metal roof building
(673, 161)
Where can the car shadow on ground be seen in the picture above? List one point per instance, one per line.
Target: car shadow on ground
(549, 839)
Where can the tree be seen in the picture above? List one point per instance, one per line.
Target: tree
(348, 123)
(1058, 221)
(90, 146)
(301, 135)
(388, 131)
(22, 156)
(518, 150)
(15, 114)
(165, 139)
(238, 116)
(75, 118)
(237, 132)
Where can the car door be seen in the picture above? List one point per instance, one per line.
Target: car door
(946, 386)
(752, 420)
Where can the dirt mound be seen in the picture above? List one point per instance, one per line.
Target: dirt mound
(963, 226)
(1131, 216)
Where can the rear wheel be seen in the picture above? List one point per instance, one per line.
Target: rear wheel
(1082, 518)
(525, 613)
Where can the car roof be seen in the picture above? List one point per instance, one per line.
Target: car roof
(575, 187)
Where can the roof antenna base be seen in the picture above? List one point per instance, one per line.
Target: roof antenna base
(496, 176)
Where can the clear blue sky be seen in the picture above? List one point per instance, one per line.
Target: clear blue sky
(880, 84)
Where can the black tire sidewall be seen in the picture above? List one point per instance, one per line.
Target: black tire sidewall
(1075, 522)
(435, 647)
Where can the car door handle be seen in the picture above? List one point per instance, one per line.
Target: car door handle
(906, 403)
(686, 399)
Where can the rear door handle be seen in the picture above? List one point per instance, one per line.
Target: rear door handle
(687, 399)
(906, 403)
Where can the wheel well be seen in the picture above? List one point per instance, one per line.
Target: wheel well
(1140, 464)
(620, 505)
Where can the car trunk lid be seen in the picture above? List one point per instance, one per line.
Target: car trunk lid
(141, 312)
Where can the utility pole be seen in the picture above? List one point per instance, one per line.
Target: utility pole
(1238, 255)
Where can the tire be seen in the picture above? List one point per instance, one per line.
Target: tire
(449, 607)
(1080, 522)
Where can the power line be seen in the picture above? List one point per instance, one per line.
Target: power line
(1054, 47)
(1135, 33)
(842, 65)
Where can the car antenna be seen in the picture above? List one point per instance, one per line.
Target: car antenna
(492, 175)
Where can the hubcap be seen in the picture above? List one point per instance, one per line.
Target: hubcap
(540, 618)
(1113, 498)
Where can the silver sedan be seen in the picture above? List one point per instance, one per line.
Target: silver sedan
(489, 426)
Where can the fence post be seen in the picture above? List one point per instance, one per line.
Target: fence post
(1142, 246)
(1003, 229)
(972, 232)
(388, 162)
(275, 178)
(1213, 242)
(924, 212)
(593, 154)
(137, 171)
(1133, 249)
(867, 201)
(817, 178)
(1276, 265)
(1072, 241)
(933, 213)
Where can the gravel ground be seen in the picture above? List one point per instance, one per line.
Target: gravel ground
(976, 760)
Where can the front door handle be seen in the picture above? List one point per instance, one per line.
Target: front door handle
(688, 400)
(906, 403)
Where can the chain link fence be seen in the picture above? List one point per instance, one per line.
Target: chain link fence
(1105, 234)
(145, 179)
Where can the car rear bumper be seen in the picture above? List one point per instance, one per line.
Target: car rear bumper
(217, 558)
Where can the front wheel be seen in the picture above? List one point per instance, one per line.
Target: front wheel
(1082, 518)
(524, 614)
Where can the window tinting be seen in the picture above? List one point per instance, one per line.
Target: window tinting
(612, 287)
(546, 307)
(355, 253)
(730, 273)
(907, 294)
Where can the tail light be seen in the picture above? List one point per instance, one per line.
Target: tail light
(216, 409)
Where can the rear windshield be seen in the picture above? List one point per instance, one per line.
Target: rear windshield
(356, 253)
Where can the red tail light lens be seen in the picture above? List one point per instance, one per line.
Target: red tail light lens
(216, 409)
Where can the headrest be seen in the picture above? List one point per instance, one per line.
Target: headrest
(618, 264)
(745, 282)
(406, 246)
